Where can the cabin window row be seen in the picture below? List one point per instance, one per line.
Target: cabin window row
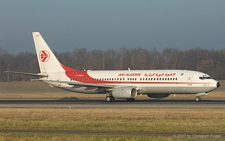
(123, 79)
(157, 79)
(103, 79)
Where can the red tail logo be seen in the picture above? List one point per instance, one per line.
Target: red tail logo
(44, 56)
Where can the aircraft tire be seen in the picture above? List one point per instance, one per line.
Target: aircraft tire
(197, 99)
(113, 99)
(110, 99)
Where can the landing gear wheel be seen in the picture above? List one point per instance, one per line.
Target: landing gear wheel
(110, 99)
(197, 99)
(130, 99)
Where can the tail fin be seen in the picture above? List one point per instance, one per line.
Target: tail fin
(46, 59)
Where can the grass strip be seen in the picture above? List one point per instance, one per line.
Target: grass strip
(113, 119)
(71, 137)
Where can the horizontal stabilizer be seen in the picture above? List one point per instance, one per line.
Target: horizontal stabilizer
(31, 74)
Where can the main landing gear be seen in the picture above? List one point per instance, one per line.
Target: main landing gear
(197, 99)
(110, 98)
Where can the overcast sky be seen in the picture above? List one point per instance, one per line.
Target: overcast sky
(104, 24)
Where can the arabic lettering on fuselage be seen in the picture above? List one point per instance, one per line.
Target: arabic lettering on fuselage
(148, 74)
(159, 74)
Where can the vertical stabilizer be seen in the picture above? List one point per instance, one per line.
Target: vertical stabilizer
(46, 59)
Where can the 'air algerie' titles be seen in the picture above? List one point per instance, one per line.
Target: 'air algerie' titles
(129, 74)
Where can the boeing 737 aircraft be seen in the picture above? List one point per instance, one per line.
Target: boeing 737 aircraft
(119, 84)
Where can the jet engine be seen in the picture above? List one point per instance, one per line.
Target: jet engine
(158, 95)
(124, 92)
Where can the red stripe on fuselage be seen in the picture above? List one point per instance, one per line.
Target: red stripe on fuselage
(82, 76)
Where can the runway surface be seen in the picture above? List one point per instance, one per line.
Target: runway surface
(101, 103)
(146, 133)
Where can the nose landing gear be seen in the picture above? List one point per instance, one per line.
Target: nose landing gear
(197, 99)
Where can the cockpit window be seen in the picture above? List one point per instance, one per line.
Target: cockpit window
(204, 77)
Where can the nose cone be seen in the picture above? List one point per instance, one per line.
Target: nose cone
(218, 84)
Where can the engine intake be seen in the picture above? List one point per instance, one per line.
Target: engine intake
(124, 92)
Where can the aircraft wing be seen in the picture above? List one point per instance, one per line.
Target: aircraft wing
(31, 74)
(90, 85)
(80, 84)
(99, 86)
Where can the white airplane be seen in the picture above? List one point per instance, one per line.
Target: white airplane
(119, 84)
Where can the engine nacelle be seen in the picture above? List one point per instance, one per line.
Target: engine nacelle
(124, 92)
(158, 95)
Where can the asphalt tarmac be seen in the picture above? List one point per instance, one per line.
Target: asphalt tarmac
(119, 103)
(145, 133)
